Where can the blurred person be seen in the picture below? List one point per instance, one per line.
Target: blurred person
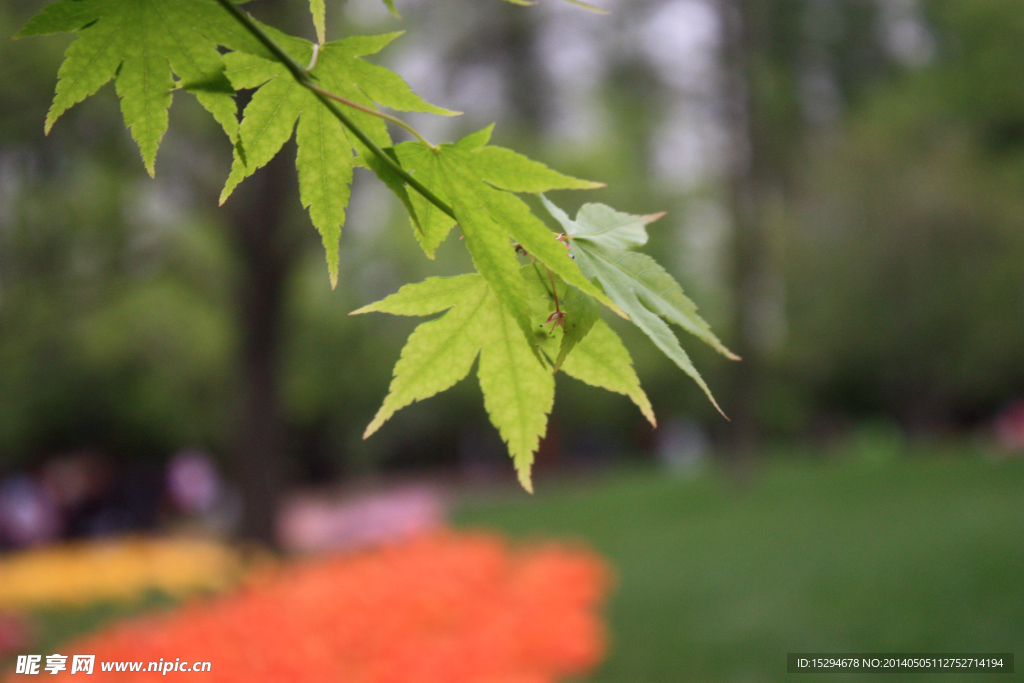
(28, 512)
(192, 482)
(195, 488)
(133, 503)
(81, 484)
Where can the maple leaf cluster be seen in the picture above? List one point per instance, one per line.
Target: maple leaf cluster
(532, 307)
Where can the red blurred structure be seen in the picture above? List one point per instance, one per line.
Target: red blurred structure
(448, 608)
(14, 634)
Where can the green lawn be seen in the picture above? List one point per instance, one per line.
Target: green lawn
(717, 582)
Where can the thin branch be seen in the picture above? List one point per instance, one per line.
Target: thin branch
(387, 117)
(327, 99)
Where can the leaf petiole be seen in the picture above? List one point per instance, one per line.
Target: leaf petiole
(557, 318)
(312, 60)
(554, 292)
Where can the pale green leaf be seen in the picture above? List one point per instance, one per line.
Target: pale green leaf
(476, 140)
(489, 246)
(433, 295)
(319, 12)
(324, 163)
(325, 156)
(621, 286)
(438, 353)
(635, 281)
(514, 172)
(394, 182)
(140, 44)
(653, 286)
(267, 123)
(518, 391)
(579, 311)
(604, 225)
(391, 8)
(559, 215)
(424, 164)
(603, 234)
(601, 360)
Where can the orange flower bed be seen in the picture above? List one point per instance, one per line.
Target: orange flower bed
(443, 609)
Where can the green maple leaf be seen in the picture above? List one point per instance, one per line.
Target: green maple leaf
(603, 225)
(140, 44)
(325, 149)
(599, 239)
(477, 181)
(598, 357)
(319, 11)
(390, 4)
(601, 360)
(518, 391)
(579, 312)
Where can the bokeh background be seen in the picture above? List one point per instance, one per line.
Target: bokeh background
(844, 187)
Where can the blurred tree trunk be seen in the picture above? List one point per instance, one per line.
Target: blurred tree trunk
(759, 134)
(268, 249)
(257, 222)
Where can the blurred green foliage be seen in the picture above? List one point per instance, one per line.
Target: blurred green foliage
(899, 249)
(905, 260)
(111, 332)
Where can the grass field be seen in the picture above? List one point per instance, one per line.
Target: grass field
(717, 582)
